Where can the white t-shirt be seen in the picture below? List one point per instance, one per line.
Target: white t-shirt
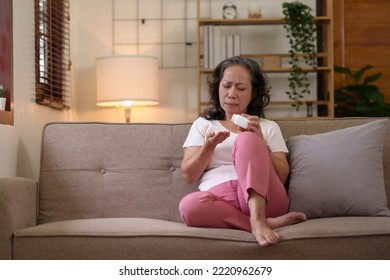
(220, 168)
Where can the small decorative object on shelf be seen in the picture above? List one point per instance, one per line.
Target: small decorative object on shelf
(229, 10)
(254, 10)
(2, 98)
(271, 61)
(309, 109)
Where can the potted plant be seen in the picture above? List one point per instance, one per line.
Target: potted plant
(2, 98)
(302, 34)
(361, 98)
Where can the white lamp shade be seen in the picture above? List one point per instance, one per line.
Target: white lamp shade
(125, 81)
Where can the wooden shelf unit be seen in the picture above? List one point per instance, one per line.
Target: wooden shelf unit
(250, 21)
(325, 56)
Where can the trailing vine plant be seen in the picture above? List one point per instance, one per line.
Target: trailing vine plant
(1, 90)
(302, 34)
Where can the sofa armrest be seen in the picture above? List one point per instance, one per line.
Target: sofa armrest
(18, 209)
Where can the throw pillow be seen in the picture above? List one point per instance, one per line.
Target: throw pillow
(339, 173)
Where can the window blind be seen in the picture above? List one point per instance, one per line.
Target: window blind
(52, 53)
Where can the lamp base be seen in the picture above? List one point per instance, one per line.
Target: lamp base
(127, 114)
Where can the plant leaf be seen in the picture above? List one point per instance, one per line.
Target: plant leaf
(376, 97)
(343, 70)
(360, 72)
(372, 78)
(341, 96)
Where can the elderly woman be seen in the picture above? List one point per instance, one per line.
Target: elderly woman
(241, 171)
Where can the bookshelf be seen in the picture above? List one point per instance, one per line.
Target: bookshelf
(276, 63)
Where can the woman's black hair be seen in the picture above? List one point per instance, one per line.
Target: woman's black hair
(260, 89)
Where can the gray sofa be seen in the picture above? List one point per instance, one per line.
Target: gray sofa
(111, 191)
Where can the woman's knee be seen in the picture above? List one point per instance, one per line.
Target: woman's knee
(248, 138)
(190, 203)
(187, 202)
(194, 206)
(248, 144)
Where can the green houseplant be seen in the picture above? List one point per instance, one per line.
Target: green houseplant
(361, 98)
(1, 90)
(302, 34)
(2, 98)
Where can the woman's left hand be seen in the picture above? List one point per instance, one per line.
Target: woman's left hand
(253, 125)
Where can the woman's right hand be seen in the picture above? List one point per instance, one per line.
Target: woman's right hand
(215, 138)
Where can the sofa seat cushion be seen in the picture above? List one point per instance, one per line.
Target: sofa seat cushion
(127, 238)
(141, 238)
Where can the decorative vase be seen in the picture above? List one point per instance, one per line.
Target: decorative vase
(254, 10)
(3, 100)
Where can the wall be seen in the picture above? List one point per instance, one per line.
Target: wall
(20, 144)
(91, 37)
(362, 36)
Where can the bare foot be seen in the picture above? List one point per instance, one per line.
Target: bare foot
(263, 228)
(286, 220)
(263, 233)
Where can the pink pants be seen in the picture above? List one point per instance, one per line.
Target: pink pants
(226, 205)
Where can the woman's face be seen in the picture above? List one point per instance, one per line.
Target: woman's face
(235, 90)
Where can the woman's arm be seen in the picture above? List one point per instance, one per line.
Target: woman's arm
(197, 158)
(195, 162)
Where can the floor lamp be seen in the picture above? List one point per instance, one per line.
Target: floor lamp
(127, 81)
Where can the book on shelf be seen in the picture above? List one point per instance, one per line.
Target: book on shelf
(218, 46)
(211, 46)
(236, 45)
(229, 46)
(205, 46)
(223, 47)
(217, 51)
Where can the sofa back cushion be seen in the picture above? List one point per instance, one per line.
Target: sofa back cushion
(104, 170)
(348, 168)
(100, 170)
(311, 127)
